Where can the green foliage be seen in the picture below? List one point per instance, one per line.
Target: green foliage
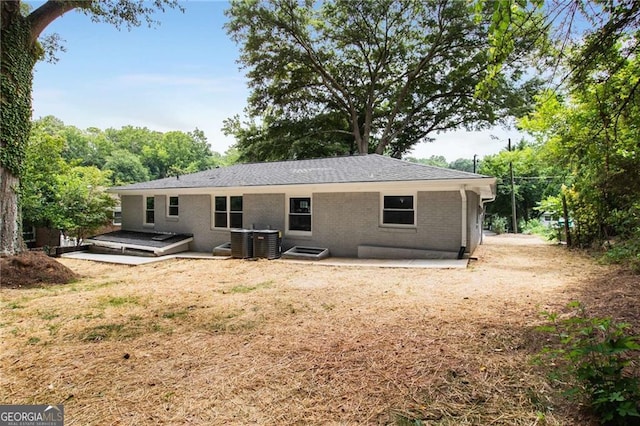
(372, 76)
(579, 32)
(625, 253)
(57, 195)
(42, 165)
(176, 153)
(536, 227)
(499, 224)
(534, 179)
(462, 164)
(626, 250)
(128, 13)
(133, 154)
(434, 160)
(19, 56)
(125, 168)
(274, 139)
(590, 358)
(592, 135)
(83, 204)
(59, 190)
(87, 147)
(509, 20)
(20, 29)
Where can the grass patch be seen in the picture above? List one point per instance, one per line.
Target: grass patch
(135, 326)
(232, 322)
(54, 328)
(175, 314)
(88, 316)
(48, 314)
(117, 302)
(33, 341)
(247, 289)
(14, 305)
(110, 332)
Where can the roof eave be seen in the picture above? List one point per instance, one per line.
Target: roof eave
(481, 185)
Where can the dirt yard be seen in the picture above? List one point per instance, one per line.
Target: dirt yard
(218, 342)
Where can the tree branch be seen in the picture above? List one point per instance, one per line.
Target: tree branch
(49, 12)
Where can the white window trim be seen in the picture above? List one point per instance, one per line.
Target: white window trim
(169, 197)
(287, 213)
(117, 209)
(228, 211)
(399, 194)
(144, 210)
(32, 231)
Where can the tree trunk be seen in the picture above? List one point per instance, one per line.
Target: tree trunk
(19, 55)
(10, 234)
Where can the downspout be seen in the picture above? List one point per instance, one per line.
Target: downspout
(463, 236)
(482, 202)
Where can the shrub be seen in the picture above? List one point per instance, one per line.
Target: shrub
(590, 358)
(499, 224)
(536, 227)
(625, 253)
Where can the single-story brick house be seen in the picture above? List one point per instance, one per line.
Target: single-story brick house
(359, 206)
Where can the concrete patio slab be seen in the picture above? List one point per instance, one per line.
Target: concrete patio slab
(331, 261)
(115, 258)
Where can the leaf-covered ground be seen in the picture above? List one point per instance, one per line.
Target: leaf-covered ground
(270, 342)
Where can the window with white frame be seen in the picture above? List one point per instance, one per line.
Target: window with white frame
(235, 212)
(149, 210)
(300, 214)
(28, 233)
(117, 216)
(227, 211)
(173, 207)
(398, 210)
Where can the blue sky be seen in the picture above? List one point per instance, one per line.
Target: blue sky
(179, 75)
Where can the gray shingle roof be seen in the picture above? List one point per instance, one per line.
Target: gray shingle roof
(355, 169)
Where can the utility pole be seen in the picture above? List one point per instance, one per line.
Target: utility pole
(475, 156)
(513, 195)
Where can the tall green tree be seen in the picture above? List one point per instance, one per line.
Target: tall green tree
(534, 180)
(39, 184)
(83, 205)
(125, 168)
(88, 147)
(593, 134)
(464, 165)
(57, 195)
(394, 71)
(20, 50)
(434, 160)
(177, 152)
(276, 139)
(132, 139)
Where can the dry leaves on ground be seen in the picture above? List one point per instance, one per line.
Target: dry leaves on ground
(270, 342)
